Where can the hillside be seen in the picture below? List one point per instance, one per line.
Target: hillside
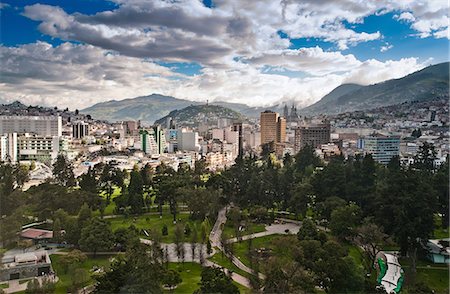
(152, 107)
(193, 115)
(425, 84)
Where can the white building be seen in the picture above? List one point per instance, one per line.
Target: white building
(40, 125)
(9, 148)
(39, 148)
(188, 140)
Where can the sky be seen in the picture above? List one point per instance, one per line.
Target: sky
(74, 54)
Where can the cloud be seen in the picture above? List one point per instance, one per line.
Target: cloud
(313, 60)
(78, 76)
(386, 47)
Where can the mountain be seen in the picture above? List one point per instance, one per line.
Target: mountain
(428, 83)
(193, 115)
(145, 108)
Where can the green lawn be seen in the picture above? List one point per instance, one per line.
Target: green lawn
(4, 285)
(241, 248)
(226, 263)
(441, 233)
(436, 279)
(65, 279)
(153, 222)
(229, 232)
(191, 275)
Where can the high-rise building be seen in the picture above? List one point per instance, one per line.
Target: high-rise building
(9, 151)
(313, 135)
(382, 148)
(237, 127)
(80, 129)
(153, 140)
(273, 127)
(39, 125)
(281, 130)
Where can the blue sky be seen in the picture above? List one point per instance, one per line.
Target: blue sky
(215, 47)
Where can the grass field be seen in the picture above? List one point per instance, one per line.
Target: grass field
(436, 276)
(241, 248)
(436, 279)
(191, 275)
(226, 263)
(229, 232)
(154, 223)
(65, 279)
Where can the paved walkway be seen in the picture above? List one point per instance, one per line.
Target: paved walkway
(273, 229)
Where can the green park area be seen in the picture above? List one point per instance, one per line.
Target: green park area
(250, 228)
(153, 223)
(83, 274)
(191, 275)
(223, 261)
(241, 249)
(435, 276)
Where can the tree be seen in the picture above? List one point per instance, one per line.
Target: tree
(308, 230)
(179, 236)
(194, 240)
(73, 259)
(425, 157)
(344, 221)
(370, 236)
(136, 192)
(57, 237)
(215, 281)
(63, 172)
(171, 279)
(96, 236)
(88, 182)
(164, 230)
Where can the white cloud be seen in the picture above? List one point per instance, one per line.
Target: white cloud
(386, 47)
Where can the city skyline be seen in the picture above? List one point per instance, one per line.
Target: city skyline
(259, 53)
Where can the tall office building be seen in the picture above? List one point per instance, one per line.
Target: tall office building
(273, 127)
(39, 125)
(382, 148)
(313, 135)
(153, 141)
(237, 127)
(9, 150)
(80, 129)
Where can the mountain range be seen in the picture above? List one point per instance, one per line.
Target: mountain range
(430, 82)
(427, 83)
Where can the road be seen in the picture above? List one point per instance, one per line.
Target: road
(291, 228)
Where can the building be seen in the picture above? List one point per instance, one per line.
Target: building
(80, 129)
(237, 127)
(438, 251)
(39, 148)
(25, 265)
(153, 140)
(313, 135)
(39, 125)
(382, 148)
(9, 151)
(188, 140)
(273, 127)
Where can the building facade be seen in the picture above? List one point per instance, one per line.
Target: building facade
(80, 129)
(273, 127)
(382, 148)
(39, 125)
(312, 135)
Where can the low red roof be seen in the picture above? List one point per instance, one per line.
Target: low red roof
(36, 234)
